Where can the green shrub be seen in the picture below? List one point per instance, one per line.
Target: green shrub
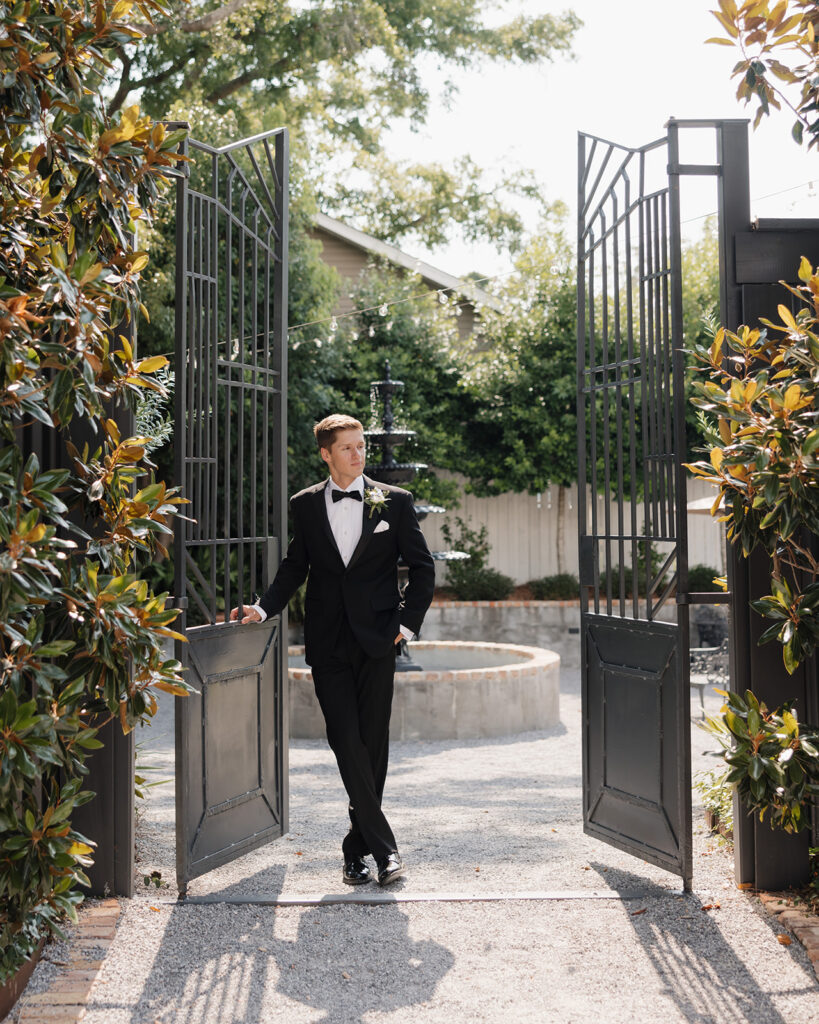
(470, 578)
(561, 587)
(295, 609)
(701, 579)
(656, 560)
(716, 792)
(483, 584)
(81, 635)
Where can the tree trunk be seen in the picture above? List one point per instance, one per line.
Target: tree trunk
(561, 523)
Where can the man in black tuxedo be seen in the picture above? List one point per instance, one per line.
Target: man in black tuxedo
(348, 536)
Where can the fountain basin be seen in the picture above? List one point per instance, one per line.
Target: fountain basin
(468, 690)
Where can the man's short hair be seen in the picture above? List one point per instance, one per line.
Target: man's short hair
(327, 428)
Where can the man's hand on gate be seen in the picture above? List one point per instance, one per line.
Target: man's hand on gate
(251, 615)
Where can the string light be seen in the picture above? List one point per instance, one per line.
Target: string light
(758, 199)
(442, 293)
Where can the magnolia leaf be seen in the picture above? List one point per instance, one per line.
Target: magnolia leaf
(786, 316)
(152, 364)
(811, 442)
(166, 687)
(789, 656)
(139, 262)
(793, 396)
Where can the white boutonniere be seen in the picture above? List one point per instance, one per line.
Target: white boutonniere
(376, 500)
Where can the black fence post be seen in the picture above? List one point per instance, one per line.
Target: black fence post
(108, 819)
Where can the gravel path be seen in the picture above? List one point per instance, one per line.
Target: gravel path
(476, 818)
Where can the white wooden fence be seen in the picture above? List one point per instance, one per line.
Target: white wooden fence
(524, 529)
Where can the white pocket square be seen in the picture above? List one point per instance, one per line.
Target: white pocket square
(382, 526)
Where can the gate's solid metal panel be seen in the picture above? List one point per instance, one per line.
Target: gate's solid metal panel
(231, 764)
(635, 740)
(631, 436)
(230, 452)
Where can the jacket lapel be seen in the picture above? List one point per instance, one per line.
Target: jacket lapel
(321, 510)
(368, 525)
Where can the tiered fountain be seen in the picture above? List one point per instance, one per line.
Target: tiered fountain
(388, 436)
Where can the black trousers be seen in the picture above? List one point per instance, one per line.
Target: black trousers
(355, 695)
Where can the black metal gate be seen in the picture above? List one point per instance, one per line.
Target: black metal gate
(632, 483)
(230, 450)
(632, 519)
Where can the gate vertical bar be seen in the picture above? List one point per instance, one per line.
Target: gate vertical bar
(680, 487)
(585, 556)
(280, 292)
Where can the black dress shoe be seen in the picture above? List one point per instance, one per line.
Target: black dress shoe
(389, 868)
(355, 872)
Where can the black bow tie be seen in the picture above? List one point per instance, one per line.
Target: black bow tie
(338, 495)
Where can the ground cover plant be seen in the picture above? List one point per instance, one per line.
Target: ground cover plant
(471, 579)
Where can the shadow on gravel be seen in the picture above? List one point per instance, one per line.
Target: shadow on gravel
(221, 963)
(351, 961)
(701, 971)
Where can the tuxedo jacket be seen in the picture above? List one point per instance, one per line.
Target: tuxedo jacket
(366, 589)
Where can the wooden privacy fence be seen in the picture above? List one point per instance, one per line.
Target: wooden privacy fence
(528, 539)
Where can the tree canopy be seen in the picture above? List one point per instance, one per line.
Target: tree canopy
(339, 73)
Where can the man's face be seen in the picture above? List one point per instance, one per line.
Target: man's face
(346, 456)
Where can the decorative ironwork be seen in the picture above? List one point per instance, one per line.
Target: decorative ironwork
(230, 451)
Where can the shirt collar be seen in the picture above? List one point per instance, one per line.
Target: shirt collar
(356, 485)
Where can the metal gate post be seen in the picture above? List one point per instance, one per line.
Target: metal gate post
(734, 215)
(180, 442)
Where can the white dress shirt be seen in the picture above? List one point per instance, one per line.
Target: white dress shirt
(346, 517)
(346, 521)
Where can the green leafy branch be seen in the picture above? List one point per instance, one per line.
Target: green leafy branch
(774, 762)
(760, 401)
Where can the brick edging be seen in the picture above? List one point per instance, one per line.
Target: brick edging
(65, 1000)
(803, 924)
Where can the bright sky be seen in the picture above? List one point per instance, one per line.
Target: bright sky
(638, 63)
